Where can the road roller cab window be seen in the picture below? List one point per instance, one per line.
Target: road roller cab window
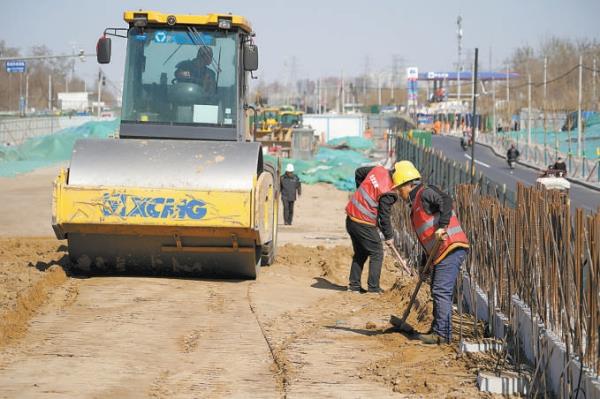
(181, 76)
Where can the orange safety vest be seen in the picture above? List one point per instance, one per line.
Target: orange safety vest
(425, 226)
(363, 204)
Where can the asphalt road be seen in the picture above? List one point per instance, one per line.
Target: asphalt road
(497, 169)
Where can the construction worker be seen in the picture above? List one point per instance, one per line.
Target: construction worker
(197, 71)
(290, 186)
(368, 212)
(433, 219)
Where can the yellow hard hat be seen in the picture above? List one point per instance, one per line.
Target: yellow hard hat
(404, 171)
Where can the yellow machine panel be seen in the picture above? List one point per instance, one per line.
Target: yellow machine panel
(188, 19)
(151, 207)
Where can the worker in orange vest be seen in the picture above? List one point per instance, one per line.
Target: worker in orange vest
(433, 218)
(437, 127)
(368, 212)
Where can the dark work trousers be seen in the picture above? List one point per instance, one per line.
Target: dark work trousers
(366, 244)
(443, 280)
(288, 211)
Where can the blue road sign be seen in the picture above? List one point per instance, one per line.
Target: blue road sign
(15, 66)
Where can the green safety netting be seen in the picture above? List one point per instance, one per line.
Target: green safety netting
(332, 166)
(47, 150)
(354, 143)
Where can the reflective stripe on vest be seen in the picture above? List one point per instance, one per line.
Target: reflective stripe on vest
(425, 226)
(363, 209)
(367, 198)
(363, 206)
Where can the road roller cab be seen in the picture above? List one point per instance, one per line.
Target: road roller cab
(182, 190)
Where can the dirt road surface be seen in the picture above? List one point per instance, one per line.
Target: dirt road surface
(294, 332)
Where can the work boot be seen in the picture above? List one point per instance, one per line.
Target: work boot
(377, 291)
(431, 339)
(358, 290)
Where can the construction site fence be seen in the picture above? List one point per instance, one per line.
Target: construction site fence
(541, 156)
(446, 173)
(15, 131)
(534, 248)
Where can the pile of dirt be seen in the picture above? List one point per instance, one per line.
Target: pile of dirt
(30, 268)
(333, 262)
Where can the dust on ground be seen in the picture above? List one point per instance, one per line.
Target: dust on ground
(294, 332)
(30, 270)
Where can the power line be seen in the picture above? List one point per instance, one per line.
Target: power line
(539, 84)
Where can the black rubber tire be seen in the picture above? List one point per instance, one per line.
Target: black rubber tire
(269, 249)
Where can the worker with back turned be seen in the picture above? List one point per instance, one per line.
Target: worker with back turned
(368, 212)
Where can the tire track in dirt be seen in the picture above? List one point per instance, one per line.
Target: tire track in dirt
(125, 337)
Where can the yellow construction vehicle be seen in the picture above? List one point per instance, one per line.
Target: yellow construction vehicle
(267, 120)
(182, 190)
(288, 120)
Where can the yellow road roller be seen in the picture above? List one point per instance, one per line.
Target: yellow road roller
(184, 189)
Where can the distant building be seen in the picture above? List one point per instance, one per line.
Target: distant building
(74, 101)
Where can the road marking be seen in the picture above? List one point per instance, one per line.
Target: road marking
(478, 162)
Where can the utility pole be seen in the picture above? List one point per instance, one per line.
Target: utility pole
(544, 110)
(509, 116)
(50, 93)
(26, 92)
(474, 124)
(495, 126)
(21, 102)
(579, 100)
(529, 118)
(99, 92)
(379, 90)
(459, 35)
(342, 94)
(594, 97)
(319, 96)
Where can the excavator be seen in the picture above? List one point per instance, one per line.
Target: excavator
(183, 190)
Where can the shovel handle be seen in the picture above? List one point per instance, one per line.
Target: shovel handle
(400, 260)
(422, 275)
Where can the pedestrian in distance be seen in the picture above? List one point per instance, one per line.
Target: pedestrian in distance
(367, 213)
(433, 218)
(291, 189)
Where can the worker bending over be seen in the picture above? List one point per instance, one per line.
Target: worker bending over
(433, 218)
(368, 212)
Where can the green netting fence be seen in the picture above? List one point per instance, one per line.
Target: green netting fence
(330, 165)
(43, 151)
(333, 166)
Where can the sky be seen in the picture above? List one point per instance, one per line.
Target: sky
(326, 38)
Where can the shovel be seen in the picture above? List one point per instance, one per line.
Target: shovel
(400, 323)
(400, 260)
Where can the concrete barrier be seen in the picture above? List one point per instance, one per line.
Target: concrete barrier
(540, 346)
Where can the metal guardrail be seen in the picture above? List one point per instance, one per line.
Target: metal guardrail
(581, 168)
(446, 173)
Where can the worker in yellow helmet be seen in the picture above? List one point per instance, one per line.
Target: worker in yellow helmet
(368, 212)
(433, 218)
